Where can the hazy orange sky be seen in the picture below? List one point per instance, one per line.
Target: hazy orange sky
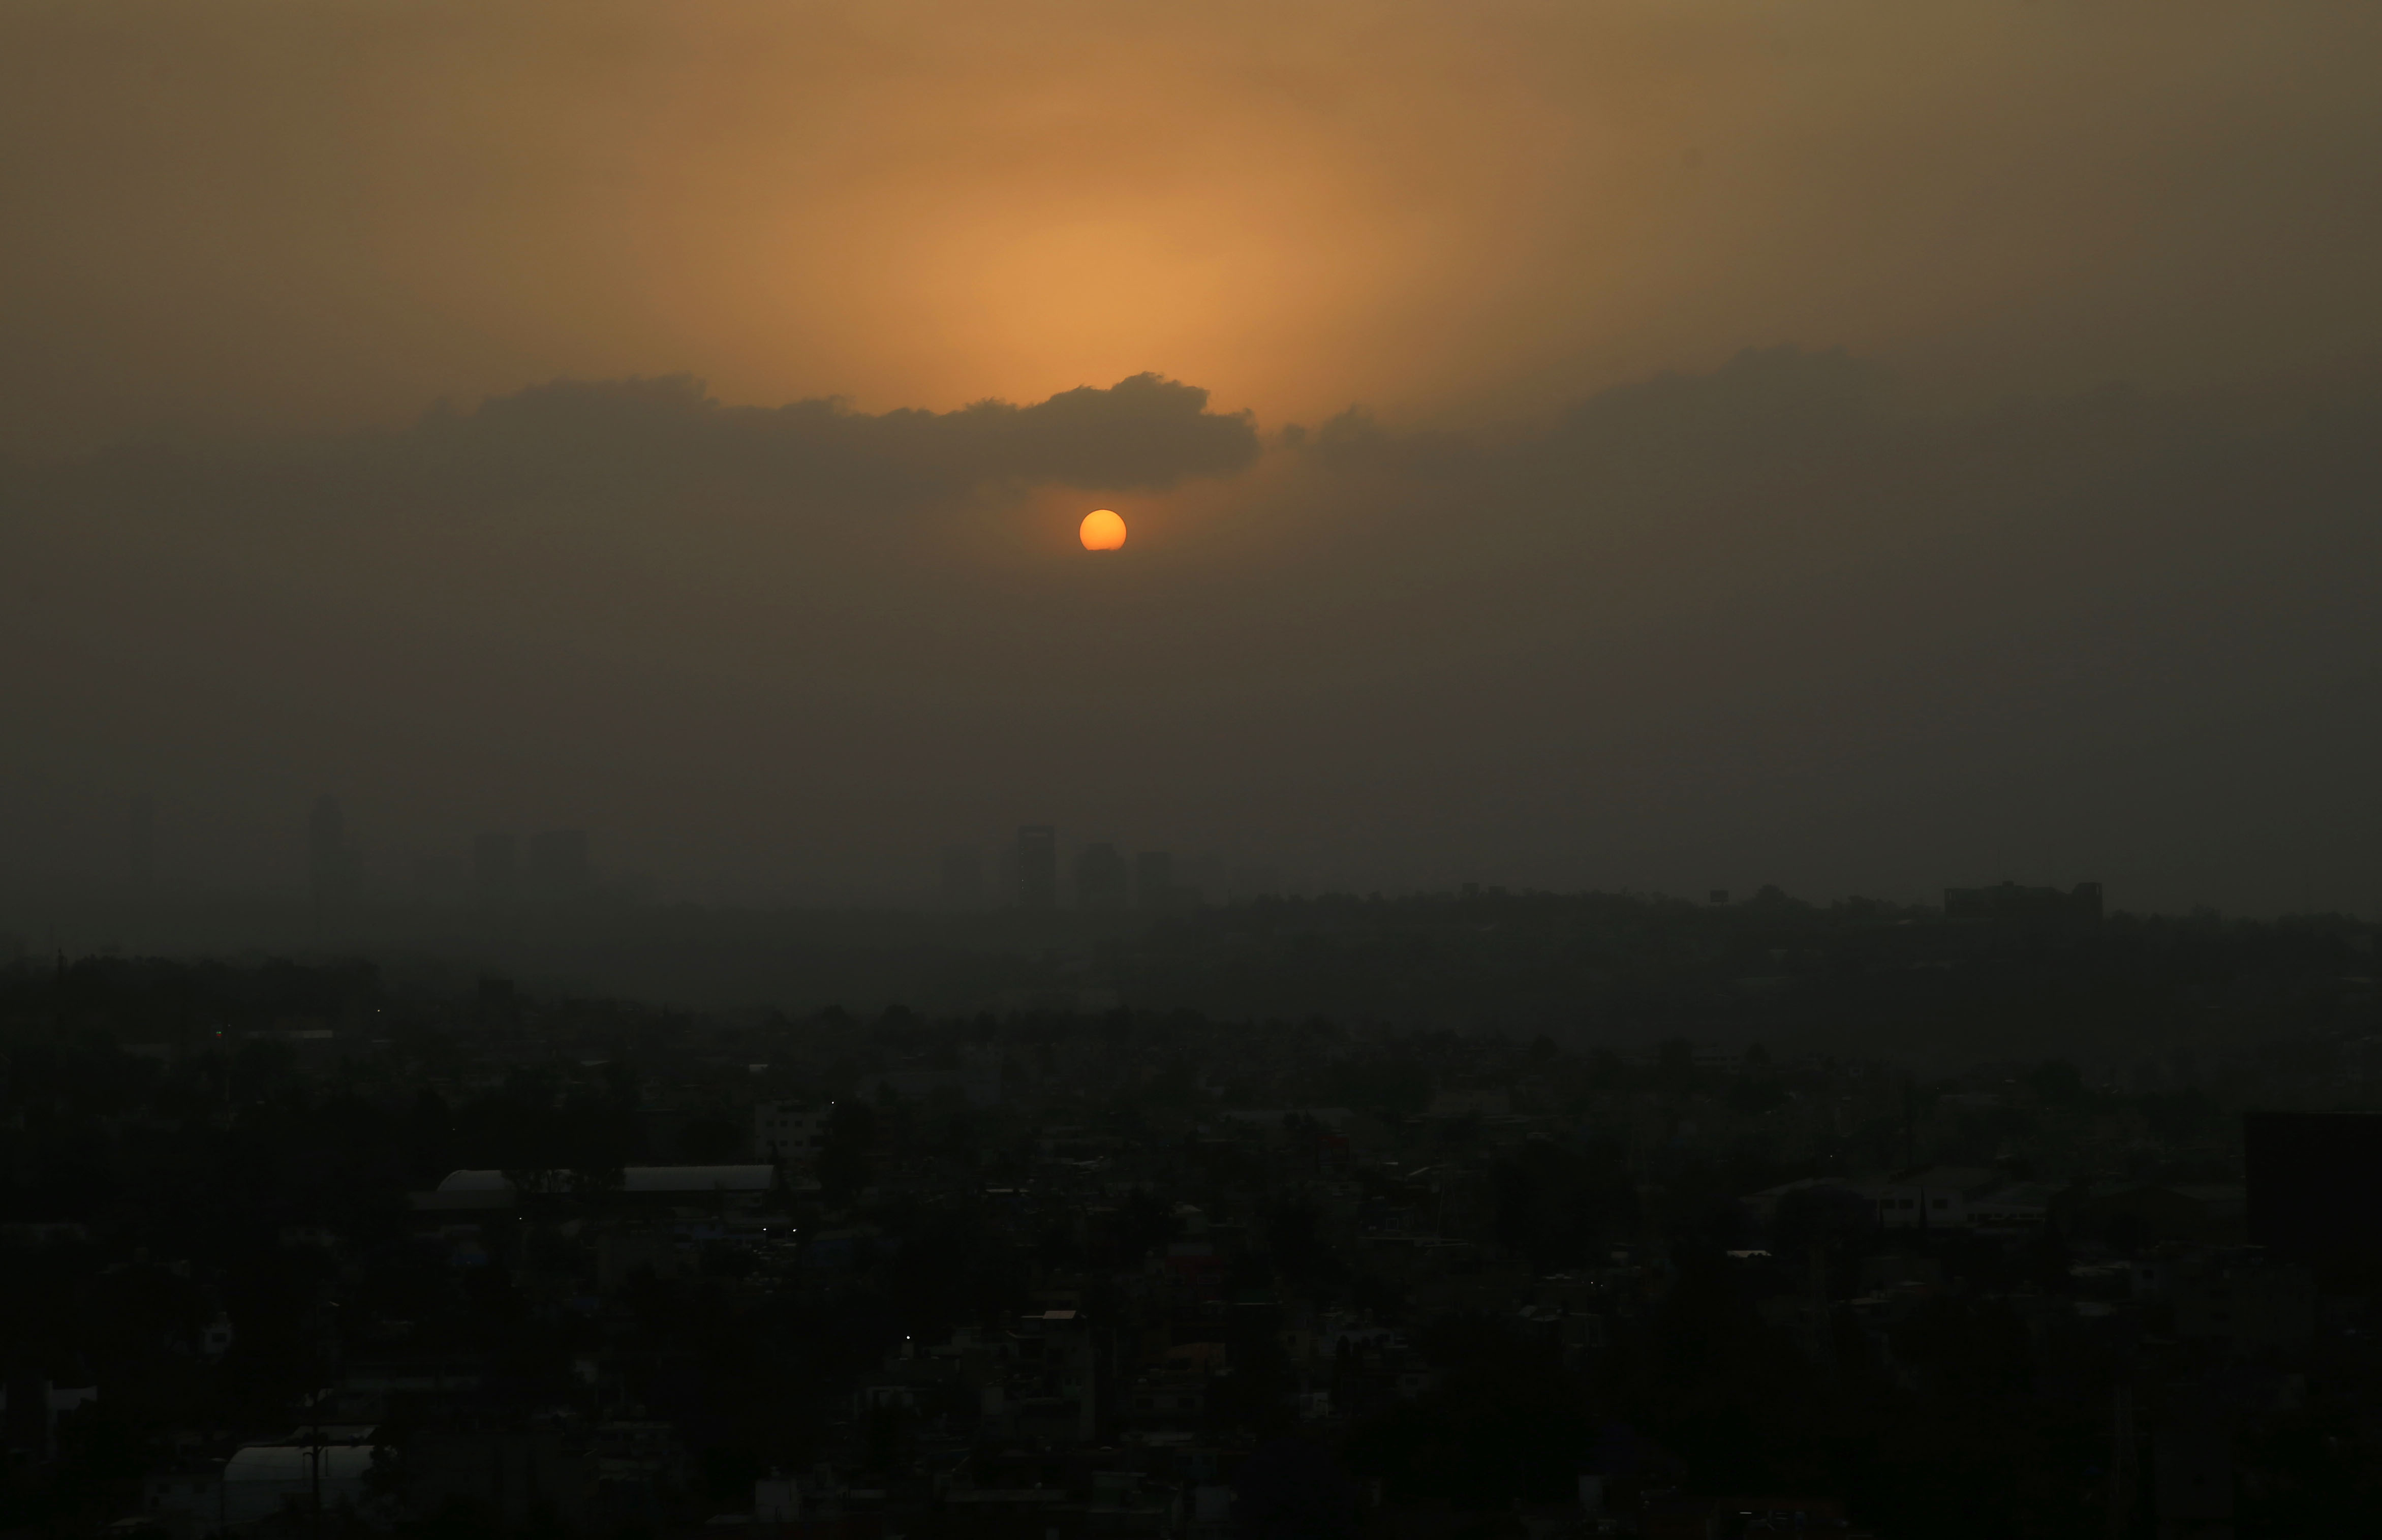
(256, 214)
(1857, 444)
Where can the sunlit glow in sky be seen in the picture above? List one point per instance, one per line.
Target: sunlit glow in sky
(244, 215)
(1630, 426)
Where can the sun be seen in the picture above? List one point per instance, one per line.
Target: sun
(1102, 530)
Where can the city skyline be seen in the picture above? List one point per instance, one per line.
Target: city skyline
(1268, 770)
(1854, 449)
(538, 864)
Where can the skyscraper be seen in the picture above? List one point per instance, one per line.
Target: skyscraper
(1038, 867)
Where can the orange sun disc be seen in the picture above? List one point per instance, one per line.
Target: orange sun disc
(1102, 530)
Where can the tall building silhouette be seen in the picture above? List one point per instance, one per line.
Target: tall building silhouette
(1038, 867)
(1100, 878)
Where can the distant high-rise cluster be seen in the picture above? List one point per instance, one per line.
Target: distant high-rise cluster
(553, 866)
(1102, 878)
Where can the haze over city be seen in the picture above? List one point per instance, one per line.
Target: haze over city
(1856, 446)
(1321, 769)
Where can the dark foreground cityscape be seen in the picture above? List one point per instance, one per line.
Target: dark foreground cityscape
(1268, 770)
(1759, 1243)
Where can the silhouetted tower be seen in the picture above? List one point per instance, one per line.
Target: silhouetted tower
(1153, 881)
(140, 849)
(559, 868)
(495, 871)
(962, 877)
(1100, 878)
(1038, 867)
